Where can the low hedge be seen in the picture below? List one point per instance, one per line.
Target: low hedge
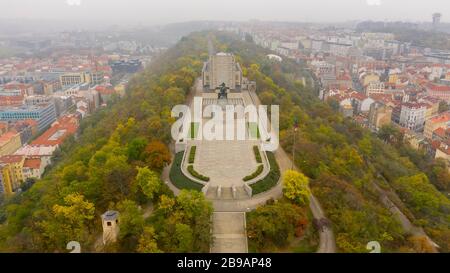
(257, 154)
(271, 179)
(195, 174)
(258, 171)
(178, 178)
(192, 154)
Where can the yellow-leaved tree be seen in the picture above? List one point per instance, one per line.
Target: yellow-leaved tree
(296, 187)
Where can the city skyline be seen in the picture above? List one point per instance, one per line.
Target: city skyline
(171, 11)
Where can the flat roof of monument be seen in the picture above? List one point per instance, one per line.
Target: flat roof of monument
(223, 54)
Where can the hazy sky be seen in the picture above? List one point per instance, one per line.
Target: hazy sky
(168, 11)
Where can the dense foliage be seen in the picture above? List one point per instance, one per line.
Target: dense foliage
(344, 161)
(275, 225)
(116, 164)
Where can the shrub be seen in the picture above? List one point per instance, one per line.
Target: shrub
(257, 154)
(192, 154)
(271, 179)
(258, 171)
(195, 174)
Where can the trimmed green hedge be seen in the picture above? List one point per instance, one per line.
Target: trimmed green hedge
(257, 154)
(194, 129)
(195, 174)
(271, 179)
(258, 171)
(178, 178)
(192, 154)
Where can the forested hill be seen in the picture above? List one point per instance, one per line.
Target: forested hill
(115, 164)
(346, 162)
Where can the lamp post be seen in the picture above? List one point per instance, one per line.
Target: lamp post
(293, 145)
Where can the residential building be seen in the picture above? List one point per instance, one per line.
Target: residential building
(412, 116)
(439, 91)
(58, 132)
(6, 183)
(379, 115)
(16, 164)
(375, 88)
(43, 152)
(440, 121)
(44, 114)
(33, 167)
(9, 143)
(74, 78)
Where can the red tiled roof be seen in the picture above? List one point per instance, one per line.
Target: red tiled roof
(33, 163)
(435, 87)
(11, 158)
(441, 118)
(439, 132)
(7, 136)
(105, 90)
(359, 96)
(65, 126)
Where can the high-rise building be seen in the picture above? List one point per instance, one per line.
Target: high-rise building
(436, 20)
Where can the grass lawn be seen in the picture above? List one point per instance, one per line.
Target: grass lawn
(193, 130)
(179, 179)
(271, 179)
(253, 130)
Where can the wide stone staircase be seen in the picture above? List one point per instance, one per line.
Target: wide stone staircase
(227, 193)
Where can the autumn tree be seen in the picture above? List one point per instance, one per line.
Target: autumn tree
(274, 225)
(420, 244)
(70, 221)
(296, 188)
(156, 155)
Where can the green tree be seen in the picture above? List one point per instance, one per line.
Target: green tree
(148, 241)
(184, 236)
(443, 106)
(131, 219)
(148, 182)
(136, 148)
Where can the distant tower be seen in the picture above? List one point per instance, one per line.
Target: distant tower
(436, 20)
(110, 223)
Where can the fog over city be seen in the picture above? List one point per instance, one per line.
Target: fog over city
(169, 11)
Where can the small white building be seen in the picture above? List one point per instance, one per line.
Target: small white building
(110, 224)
